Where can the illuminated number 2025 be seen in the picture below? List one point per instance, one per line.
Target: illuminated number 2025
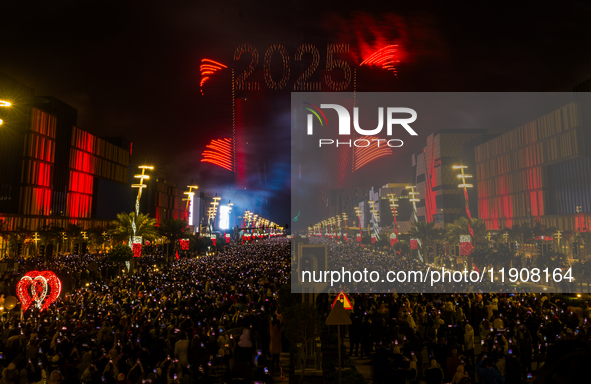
(302, 83)
(332, 64)
(276, 85)
(241, 83)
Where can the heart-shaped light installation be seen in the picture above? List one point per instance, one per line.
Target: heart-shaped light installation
(43, 288)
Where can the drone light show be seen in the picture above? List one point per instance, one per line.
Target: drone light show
(220, 153)
(207, 69)
(385, 57)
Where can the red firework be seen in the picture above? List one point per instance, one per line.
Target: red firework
(219, 153)
(207, 68)
(386, 57)
(365, 155)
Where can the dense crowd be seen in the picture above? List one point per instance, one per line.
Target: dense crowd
(215, 319)
(491, 337)
(355, 257)
(211, 319)
(453, 337)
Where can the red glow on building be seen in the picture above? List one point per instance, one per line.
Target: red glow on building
(386, 57)
(365, 155)
(207, 68)
(431, 179)
(219, 153)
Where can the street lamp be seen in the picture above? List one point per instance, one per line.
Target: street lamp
(413, 200)
(464, 186)
(140, 187)
(189, 201)
(4, 103)
(376, 218)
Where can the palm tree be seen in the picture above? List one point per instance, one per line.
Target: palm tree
(460, 227)
(173, 230)
(123, 229)
(426, 233)
(566, 237)
(95, 237)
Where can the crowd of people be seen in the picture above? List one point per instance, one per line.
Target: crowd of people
(216, 319)
(210, 319)
(452, 337)
(463, 336)
(355, 257)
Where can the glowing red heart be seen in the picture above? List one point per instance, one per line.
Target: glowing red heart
(43, 288)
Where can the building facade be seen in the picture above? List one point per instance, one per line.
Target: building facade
(441, 201)
(539, 172)
(51, 170)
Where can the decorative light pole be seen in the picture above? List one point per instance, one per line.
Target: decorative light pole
(393, 199)
(346, 234)
(190, 194)
(4, 103)
(140, 187)
(212, 212)
(464, 186)
(376, 218)
(358, 213)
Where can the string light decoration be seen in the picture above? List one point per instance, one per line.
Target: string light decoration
(219, 153)
(272, 84)
(365, 155)
(184, 243)
(386, 57)
(207, 69)
(241, 83)
(301, 84)
(332, 64)
(42, 288)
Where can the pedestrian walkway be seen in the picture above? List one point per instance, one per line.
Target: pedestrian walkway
(364, 365)
(284, 363)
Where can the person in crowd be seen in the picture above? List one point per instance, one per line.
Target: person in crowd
(434, 374)
(487, 373)
(460, 377)
(275, 331)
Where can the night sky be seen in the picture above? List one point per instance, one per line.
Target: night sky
(132, 68)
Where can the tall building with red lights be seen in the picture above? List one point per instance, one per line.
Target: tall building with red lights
(436, 180)
(539, 172)
(53, 173)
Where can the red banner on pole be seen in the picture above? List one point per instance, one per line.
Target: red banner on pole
(137, 250)
(184, 243)
(466, 248)
(358, 238)
(414, 244)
